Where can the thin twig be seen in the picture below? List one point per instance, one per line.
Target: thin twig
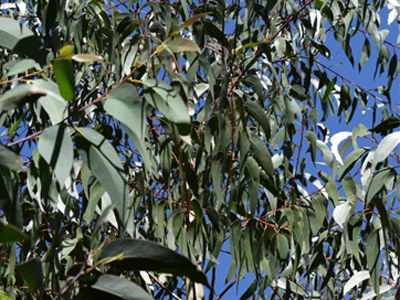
(163, 286)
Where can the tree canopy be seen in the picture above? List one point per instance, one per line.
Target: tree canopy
(143, 142)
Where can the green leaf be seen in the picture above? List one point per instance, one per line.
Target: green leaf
(150, 256)
(385, 147)
(15, 36)
(65, 78)
(19, 95)
(255, 83)
(373, 249)
(365, 54)
(9, 159)
(10, 233)
(313, 144)
(252, 175)
(118, 288)
(52, 102)
(376, 184)
(55, 146)
(250, 290)
(356, 279)
(280, 45)
(178, 44)
(386, 125)
(166, 99)
(124, 103)
(261, 154)
(32, 273)
(101, 158)
(258, 114)
(22, 67)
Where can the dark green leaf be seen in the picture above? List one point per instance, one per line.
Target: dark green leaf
(15, 36)
(65, 78)
(150, 256)
(98, 154)
(56, 148)
(10, 233)
(9, 159)
(165, 99)
(373, 248)
(32, 273)
(119, 288)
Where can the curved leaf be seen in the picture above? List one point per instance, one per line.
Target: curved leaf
(65, 78)
(98, 154)
(119, 288)
(56, 147)
(356, 279)
(385, 147)
(9, 159)
(10, 233)
(124, 104)
(15, 36)
(150, 256)
(166, 99)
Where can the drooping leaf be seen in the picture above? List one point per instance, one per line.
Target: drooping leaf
(101, 158)
(118, 288)
(165, 99)
(124, 103)
(178, 44)
(356, 279)
(10, 233)
(9, 159)
(65, 78)
(373, 249)
(19, 95)
(15, 36)
(56, 147)
(32, 273)
(385, 147)
(150, 256)
(258, 114)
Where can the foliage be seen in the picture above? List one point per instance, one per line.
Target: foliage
(142, 141)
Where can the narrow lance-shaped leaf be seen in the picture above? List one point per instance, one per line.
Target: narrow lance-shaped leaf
(385, 147)
(32, 273)
(98, 154)
(10, 233)
(65, 78)
(150, 256)
(166, 99)
(119, 288)
(9, 159)
(124, 103)
(56, 147)
(178, 44)
(373, 249)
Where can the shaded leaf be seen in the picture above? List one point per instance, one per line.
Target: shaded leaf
(150, 256)
(11, 233)
(179, 44)
(101, 158)
(120, 288)
(15, 36)
(9, 159)
(166, 99)
(32, 273)
(56, 147)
